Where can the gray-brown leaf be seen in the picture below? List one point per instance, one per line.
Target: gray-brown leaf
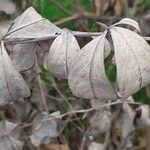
(22, 56)
(43, 129)
(30, 25)
(87, 76)
(61, 54)
(12, 85)
(125, 120)
(132, 55)
(129, 22)
(8, 139)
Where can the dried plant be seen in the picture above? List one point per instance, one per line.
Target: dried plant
(31, 38)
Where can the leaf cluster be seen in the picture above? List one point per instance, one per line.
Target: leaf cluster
(31, 36)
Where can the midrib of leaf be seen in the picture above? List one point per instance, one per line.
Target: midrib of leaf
(24, 27)
(7, 83)
(139, 69)
(91, 64)
(66, 59)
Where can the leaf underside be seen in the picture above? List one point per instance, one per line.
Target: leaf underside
(61, 54)
(132, 55)
(12, 85)
(31, 25)
(87, 76)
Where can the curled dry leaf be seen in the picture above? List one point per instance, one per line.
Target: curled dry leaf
(129, 23)
(61, 54)
(87, 76)
(132, 55)
(45, 128)
(29, 26)
(12, 85)
(8, 136)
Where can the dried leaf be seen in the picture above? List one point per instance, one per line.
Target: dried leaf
(22, 56)
(61, 54)
(125, 120)
(20, 109)
(10, 143)
(128, 22)
(132, 55)
(44, 128)
(12, 85)
(8, 136)
(87, 76)
(100, 122)
(30, 25)
(107, 48)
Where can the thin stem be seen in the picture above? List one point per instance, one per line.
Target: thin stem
(75, 33)
(79, 112)
(40, 84)
(54, 98)
(107, 136)
(60, 93)
(75, 17)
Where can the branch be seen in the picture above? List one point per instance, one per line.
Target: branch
(80, 111)
(75, 33)
(40, 84)
(60, 93)
(77, 16)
